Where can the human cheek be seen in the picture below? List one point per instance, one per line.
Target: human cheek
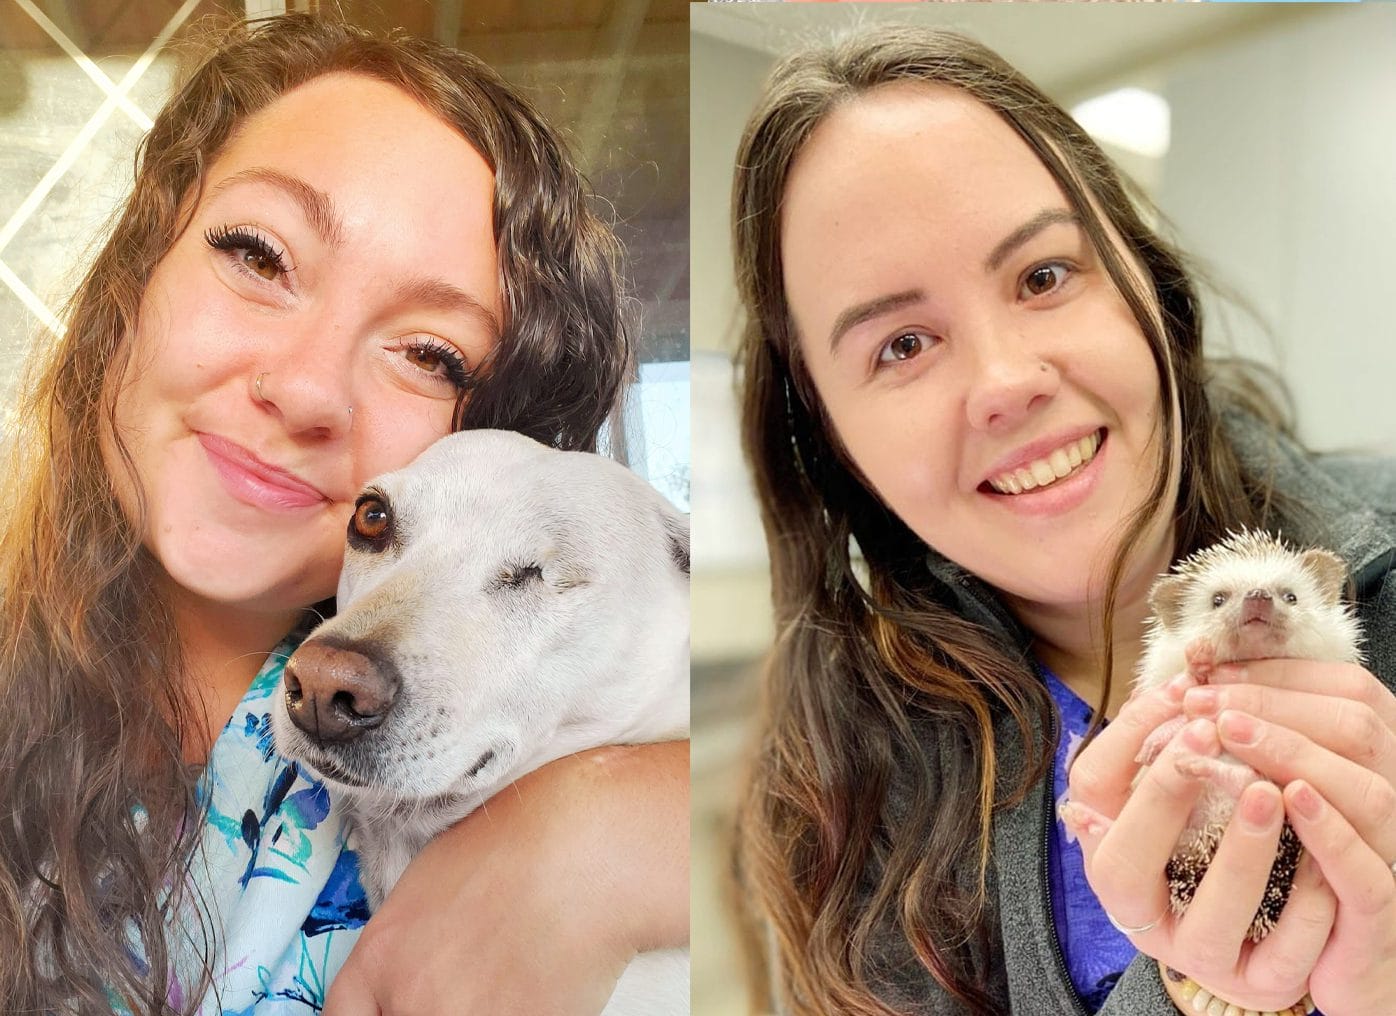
(395, 431)
(896, 440)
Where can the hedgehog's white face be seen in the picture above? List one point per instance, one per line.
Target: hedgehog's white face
(1253, 599)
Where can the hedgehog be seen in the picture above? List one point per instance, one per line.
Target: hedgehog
(1249, 597)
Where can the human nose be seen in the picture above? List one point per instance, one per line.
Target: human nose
(1010, 380)
(308, 384)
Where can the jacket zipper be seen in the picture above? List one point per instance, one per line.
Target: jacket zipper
(1046, 878)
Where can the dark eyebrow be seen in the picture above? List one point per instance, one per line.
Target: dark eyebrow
(862, 312)
(316, 205)
(436, 294)
(1025, 232)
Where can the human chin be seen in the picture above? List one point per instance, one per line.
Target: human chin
(263, 571)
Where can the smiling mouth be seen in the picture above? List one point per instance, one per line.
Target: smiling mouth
(1062, 464)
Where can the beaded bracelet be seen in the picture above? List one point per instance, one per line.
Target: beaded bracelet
(1203, 1001)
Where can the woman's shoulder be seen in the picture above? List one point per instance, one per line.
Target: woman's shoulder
(1372, 478)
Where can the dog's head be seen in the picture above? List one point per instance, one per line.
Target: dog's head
(501, 604)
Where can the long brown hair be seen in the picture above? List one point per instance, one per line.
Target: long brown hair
(100, 812)
(862, 672)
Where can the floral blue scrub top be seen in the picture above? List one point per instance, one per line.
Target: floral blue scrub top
(275, 869)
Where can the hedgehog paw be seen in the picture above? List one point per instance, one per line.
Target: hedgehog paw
(1227, 775)
(1158, 740)
(1202, 659)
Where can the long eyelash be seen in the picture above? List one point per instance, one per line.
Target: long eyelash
(234, 238)
(457, 370)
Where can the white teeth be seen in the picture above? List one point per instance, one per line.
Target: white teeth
(1060, 464)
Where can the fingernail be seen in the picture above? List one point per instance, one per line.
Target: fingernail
(1200, 735)
(1080, 820)
(1306, 801)
(1259, 809)
(1072, 816)
(1237, 727)
(1202, 701)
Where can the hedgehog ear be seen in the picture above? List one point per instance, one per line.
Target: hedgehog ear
(1328, 569)
(1166, 599)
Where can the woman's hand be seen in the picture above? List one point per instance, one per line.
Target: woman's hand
(1326, 732)
(1127, 836)
(536, 902)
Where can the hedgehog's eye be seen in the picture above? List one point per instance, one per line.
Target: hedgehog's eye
(1218, 599)
(1289, 596)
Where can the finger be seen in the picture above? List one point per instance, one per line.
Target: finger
(1340, 680)
(1126, 864)
(1344, 726)
(1211, 932)
(1101, 776)
(1089, 827)
(1286, 955)
(1362, 880)
(1365, 798)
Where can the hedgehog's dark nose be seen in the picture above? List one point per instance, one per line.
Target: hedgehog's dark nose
(335, 693)
(1258, 605)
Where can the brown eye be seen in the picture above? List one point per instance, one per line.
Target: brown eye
(1044, 278)
(262, 265)
(905, 346)
(425, 357)
(371, 521)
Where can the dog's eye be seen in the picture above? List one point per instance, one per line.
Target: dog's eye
(372, 521)
(516, 576)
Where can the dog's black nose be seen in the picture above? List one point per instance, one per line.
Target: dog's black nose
(336, 692)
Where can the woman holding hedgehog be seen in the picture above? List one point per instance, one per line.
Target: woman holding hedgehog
(967, 356)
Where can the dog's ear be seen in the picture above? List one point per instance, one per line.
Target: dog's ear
(676, 531)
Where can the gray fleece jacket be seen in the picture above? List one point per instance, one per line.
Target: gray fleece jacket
(1356, 500)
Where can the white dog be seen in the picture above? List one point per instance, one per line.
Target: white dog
(502, 604)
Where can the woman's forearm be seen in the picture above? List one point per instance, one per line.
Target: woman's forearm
(605, 832)
(641, 794)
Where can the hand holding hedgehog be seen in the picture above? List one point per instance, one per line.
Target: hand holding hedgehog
(1246, 598)
(1323, 730)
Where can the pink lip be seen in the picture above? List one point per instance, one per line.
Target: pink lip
(1039, 449)
(254, 482)
(1060, 497)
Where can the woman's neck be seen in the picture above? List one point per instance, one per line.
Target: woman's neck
(1072, 651)
(223, 648)
(1067, 639)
